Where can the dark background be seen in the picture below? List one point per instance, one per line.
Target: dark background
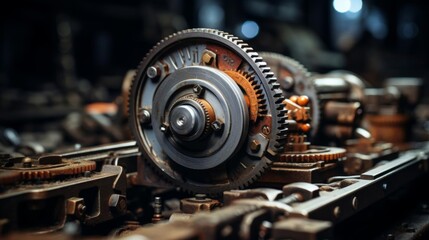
(78, 51)
(57, 42)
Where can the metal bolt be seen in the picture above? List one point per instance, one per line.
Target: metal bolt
(144, 116)
(198, 89)
(355, 203)
(200, 196)
(152, 72)
(87, 174)
(337, 211)
(164, 128)
(157, 210)
(266, 130)
(208, 58)
(27, 162)
(217, 125)
(255, 146)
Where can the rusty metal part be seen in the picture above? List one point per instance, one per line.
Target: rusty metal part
(299, 192)
(343, 113)
(28, 207)
(389, 128)
(44, 206)
(214, 163)
(294, 80)
(281, 173)
(251, 89)
(198, 203)
(44, 169)
(9, 177)
(314, 154)
(364, 154)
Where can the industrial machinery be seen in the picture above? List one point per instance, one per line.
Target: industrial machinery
(224, 148)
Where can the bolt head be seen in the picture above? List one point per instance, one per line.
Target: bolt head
(217, 125)
(144, 116)
(152, 72)
(27, 162)
(266, 130)
(198, 89)
(208, 58)
(255, 146)
(163, 128)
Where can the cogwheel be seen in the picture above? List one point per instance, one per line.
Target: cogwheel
(209, 114)
(211, 163)
(295, 79)
(314, 154)
(34, 169)
(253, 93)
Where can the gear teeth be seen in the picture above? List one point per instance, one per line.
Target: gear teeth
(332, 155)
(272, 93)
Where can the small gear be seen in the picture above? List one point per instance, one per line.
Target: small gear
(208, 110)
(314, 154)
(253, 93)
(34, 169)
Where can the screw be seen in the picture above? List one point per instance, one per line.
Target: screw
(87, 174)
(198, 89)
(27, 162)
(217, 125)
(266, 130)
(152, 72)
(208, 58)
(255, 146)
(144, 116)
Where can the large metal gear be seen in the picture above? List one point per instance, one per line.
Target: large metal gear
(198, 65)
(295, 79)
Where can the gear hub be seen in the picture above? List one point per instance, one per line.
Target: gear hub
(210, 98)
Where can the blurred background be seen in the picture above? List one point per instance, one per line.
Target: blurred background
(58, 56)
